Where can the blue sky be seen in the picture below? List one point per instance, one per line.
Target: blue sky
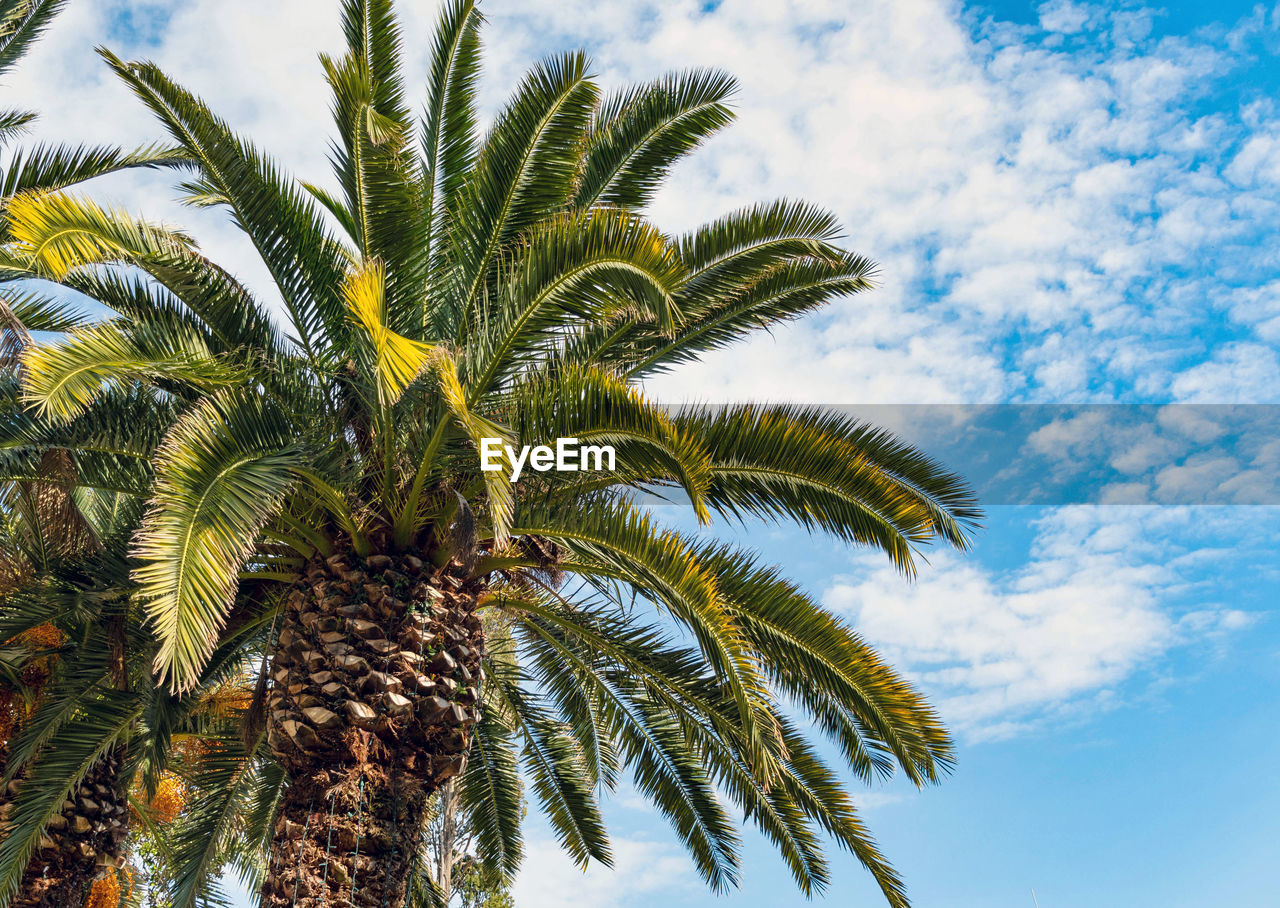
(1070, 203)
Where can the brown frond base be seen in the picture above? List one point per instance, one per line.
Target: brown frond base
(375, 689)
(82, 842)
(343, 844)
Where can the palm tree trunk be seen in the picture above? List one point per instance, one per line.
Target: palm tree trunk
(352, 846)
(375, 688)
(84, 839)
(82, 842)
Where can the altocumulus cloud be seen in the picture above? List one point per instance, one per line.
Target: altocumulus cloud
(1062, 211)
(1107, 593)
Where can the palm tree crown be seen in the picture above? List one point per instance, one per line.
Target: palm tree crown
(454, 287)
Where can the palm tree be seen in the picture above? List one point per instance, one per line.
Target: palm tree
(86, 736)
(80, 835)
(441, 622)
(44, 525)
(85, 731)
(99, 728)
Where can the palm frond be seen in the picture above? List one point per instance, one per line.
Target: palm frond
(780, 293)
(526, 170)
(591, 406)
(379, 178)
(595, 266)
(225, 781)
(810, 650)
(615, 538)
(62, 379)
(449, 138)
(639, 133)
(21, 24)
(27, 311)
(553, 763)
(274, 213)
(47, 168)
(56, 232)
(827, 472)
(493, 796)
(220, 475)
(14, 123)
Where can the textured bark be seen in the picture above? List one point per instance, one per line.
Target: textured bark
(449, 798)
(375, 686)
(81, 843)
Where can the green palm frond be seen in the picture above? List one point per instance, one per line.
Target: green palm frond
(827, 472)
(748, 270)
(620, 668)
(809, 647)
(597, 267)
(371, 162)
(221, 474)
(609, 657)
(553, 764)
(65, 377)
(639, 133)
(56, 232)
(276, 215)
(594, 407)
(30, 310)
(204, 194)
(111, 446)
(615, 539)
(780, 293)
(493, 796)
(225, 784)
(526, 170)
(14, 123)
(449, 140)
(21, 24)
(226, 314)
(47, 168)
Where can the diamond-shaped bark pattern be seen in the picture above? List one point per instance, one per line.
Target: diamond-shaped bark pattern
(375, 690)
(81, 843)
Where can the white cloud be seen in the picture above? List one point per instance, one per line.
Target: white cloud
(642, 873)
(1236, 373)
(1097, 602)
(1025, 188)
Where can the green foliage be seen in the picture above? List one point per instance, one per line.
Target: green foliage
(504, 285)
(21, 23)
(479, 886)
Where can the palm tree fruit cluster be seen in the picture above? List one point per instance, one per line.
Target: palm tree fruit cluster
(82, 842)
(110, 892)
(15, 708)
(375, 692)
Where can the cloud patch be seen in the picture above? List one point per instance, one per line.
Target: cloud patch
(1103, 597)
(1063, 211)
(643, 873)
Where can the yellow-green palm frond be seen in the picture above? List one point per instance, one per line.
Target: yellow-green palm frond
(396, 360)
(221, 473)
(57, 232)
